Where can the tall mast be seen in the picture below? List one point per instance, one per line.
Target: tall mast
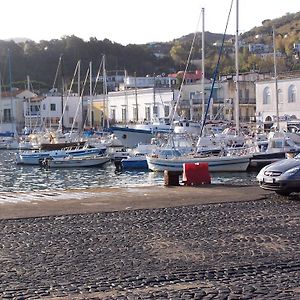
(10, 90)
(237, 95)
(105, 108)
(154, 96)
(29, 102)
(136, 99)
(203, 67)
(126, 96)
(62, 91)
(276, 81)
(91, 96)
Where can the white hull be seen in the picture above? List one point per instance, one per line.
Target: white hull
(215, 164)
(34, 157)
(130, 137)
(74, 162)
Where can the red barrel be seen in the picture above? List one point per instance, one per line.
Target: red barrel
(196, 174)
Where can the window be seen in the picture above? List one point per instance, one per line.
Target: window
(113, 114)
(7, 115)
(280, 96)
(124, 115)
(292, 93)
(44, 106)
(167, 111)
(67, 107)
(53, 107)
(147, 113)
(155, 111)
(135, 114)
(247, 94)
(266, 96)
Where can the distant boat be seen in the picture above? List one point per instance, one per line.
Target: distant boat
(75, 162)
(35, 157)
(138, 162)
(136, 134)
(61, 145)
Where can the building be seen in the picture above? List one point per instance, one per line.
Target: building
(288, 96)
(55, 111)
(12, 109)
(222, 98)
(139, 105)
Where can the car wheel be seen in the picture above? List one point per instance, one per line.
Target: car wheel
(282, 193)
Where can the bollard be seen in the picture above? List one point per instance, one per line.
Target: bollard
(171, 178)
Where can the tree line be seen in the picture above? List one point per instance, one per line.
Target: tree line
(39, 60)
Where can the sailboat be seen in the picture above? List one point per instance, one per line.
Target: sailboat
(223, 161)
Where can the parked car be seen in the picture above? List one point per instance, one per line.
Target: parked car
(282, 176)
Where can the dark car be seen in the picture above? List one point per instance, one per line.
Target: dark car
(282, 176)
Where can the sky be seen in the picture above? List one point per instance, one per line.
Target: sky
(132, 21)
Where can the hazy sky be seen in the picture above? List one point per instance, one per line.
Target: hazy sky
(131, 21)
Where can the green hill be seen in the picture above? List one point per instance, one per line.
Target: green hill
(39, 60)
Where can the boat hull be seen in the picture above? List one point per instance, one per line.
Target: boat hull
(131, 137)
(215, 164)
(35, 157)
(134, 163)
(75, 162)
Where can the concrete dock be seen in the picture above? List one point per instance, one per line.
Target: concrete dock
(208, 242)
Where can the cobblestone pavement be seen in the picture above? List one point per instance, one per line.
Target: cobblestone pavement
(238, 250)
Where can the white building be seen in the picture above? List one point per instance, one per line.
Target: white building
(50, 111)
(139, 105)
(11, 110)
(288, 95)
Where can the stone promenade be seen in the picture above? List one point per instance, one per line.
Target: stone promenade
(225, 249)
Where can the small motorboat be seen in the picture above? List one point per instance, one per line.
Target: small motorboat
(74, 162)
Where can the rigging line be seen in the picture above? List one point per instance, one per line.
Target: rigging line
(57, 69)
(83, 88)
(68, 96)
(98, 75)
(80, 99)
(216, 70)
(185, 71)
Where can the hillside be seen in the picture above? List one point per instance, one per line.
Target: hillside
(286, 25)
(39, 60)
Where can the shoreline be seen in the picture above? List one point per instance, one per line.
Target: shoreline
(82, 201)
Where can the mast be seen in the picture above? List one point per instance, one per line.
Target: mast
(10, 91)
(29, 102)
(126, 97)
(91, 96)
(203, 67)
(276, 81)
(154, 96)
(105, 106)
(136, 99)
(62, 91)
(237, 95)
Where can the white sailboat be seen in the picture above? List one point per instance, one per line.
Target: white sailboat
(221, 162)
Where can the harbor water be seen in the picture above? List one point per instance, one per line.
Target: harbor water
(25, 178)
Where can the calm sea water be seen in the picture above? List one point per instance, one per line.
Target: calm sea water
(16, 178)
